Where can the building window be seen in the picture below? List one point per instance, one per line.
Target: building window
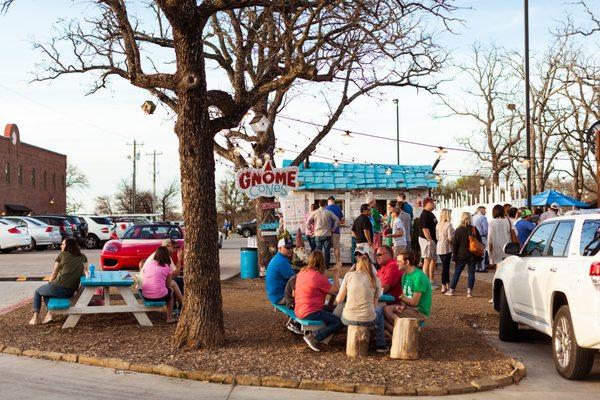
(33, 178)
(20, 174)
(54, 182)
(45, 180)
(7, 173)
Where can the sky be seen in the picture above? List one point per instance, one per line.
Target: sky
(94, 130)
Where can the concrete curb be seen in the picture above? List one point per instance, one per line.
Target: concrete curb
(478, 385)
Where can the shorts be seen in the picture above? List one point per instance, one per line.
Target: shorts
(335, 241)
(428, 249)
(166, 298)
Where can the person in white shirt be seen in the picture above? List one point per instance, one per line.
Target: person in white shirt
(553, 212)
(324, 222)
(398, 233)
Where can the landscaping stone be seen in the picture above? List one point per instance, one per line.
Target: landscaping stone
(503, 380)
(68, 357)
(227, 379)
(278, 382)
(485, 383)
(95, 361)
(521, 368)
(12, 350)
(370, 389)
(32, 353)
(308, 384)
(249, 380)
(117, 363)
(199, 375)
(339, 387)
(167, 370)
(432, 391)
(141, 368)
(1, 346)
(461, 388)
(400, 391)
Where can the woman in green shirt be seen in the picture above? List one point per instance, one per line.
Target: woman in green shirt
(64, 281)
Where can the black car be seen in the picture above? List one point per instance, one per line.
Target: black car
(64, 225)
(246, 229)
(79, 226)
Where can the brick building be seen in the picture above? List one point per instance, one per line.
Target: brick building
(32, 179)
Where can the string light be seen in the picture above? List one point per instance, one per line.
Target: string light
(388, 171)
(237, 150)
(346, 138)
(336, 163)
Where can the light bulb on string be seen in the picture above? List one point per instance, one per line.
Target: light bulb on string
(388, 171)
(237, 150)
(346, 138)
(482, 181)
(336, 163)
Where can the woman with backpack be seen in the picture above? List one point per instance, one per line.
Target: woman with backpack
(467, 250)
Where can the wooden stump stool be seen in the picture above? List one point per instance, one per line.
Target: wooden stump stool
(405, 343)
(357, 342)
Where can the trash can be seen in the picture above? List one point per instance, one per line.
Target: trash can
(248, 262)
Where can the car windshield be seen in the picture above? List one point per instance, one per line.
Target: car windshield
(590, 238)
(74, 220)
(152, 232)
(101, 220)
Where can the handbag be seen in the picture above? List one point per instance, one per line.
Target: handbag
(475, 246)
(513, 235)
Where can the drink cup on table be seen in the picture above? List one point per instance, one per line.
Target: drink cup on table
(91, 270)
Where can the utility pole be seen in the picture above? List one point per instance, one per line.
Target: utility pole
(134, 157)
(154, 154)
(530, 162)
(397, 132)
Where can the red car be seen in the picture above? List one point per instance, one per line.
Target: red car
(137, 243)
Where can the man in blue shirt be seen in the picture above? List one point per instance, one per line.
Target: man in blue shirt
(524, 226)
(279, 271)
(480, 222)
(335, 209)
(404, 205)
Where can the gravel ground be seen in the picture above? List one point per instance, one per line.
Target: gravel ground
(452, 346)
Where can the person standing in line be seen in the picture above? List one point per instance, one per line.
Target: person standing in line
(480, 222)
(462, 254)
(407, 221)
(398, 234)
(226, 228)
(553, 212)
(387, 239)
(362, 230)
(445, 235)
(405, 205)
(427, 239)
(499, 234)
(310, 228)
(512, 216)
(524, 226)
(537, 212)
(335, 235)
(325, 221)
(376, 220)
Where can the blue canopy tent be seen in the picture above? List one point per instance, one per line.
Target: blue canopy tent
(552, 196)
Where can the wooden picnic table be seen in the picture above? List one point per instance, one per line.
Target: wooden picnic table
(122, 281)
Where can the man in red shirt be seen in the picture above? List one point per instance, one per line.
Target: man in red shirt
(389, 274)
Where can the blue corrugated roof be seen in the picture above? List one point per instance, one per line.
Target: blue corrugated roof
(325, 176)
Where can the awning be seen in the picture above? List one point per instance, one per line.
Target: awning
(17, 209)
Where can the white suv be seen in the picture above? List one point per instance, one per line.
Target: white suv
(99, 229)
(552, 284)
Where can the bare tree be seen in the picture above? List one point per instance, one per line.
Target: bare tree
(166, 200)
(75, 181)
(230, 200)
(104, 205)
(301, 40)
(491, 104)
(123, 199)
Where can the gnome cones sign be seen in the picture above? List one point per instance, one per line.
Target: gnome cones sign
(267, 182)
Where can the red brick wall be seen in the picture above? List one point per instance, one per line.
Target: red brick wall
(23, 192)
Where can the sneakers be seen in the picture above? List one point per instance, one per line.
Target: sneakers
(444, 289)
(312, 341)
(450, 292)
(469, 293)
(434, 285)
(293, 327)
(382, 349)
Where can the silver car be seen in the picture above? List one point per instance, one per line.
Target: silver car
(42, 234)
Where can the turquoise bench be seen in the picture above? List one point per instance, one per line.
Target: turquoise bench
(306, 324)
(150, 302)
(58, 304)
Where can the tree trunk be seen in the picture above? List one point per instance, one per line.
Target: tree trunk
(266, 245)
(201, 321)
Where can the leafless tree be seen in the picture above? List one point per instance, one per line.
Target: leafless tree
(104, 205)
(75, 181)
(123, 196)
(166, 200)
(230, 200)
(490, 101)
(276, 43)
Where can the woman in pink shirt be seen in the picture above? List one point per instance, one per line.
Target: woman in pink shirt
(156, 281)
(312, 286)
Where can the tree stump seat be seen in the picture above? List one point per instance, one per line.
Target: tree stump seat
(405, 339)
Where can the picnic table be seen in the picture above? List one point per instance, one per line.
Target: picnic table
(122, 281)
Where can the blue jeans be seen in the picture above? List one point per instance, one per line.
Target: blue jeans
(311, 243)
(332, 323)
(47, 291)
(458, 268)
(323, 243)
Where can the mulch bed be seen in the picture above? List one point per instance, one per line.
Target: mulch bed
(452, 346)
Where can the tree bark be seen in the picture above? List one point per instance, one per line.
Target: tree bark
(201, 321)
(357, 342)
(405, 343)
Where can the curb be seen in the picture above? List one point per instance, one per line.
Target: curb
(478, 385)
(25, 279)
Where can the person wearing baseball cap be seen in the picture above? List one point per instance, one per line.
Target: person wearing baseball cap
(279, 271)
(552, 212)
(524, 226)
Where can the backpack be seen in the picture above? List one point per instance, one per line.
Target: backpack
(475, 246)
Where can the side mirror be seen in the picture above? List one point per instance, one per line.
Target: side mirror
(512, 248)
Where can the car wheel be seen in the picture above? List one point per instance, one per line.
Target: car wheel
(571, 361)
(32, 246)
(508, 330)
(246, 233)
(91, 242)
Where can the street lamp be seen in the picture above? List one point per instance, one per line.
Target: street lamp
(397, 131)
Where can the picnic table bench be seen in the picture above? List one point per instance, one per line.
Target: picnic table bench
(122, 282)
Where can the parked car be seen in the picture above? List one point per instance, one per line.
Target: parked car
(122, 224)
(42, 234)
(98, 230)
(79, 227)
(137, 244)
(552, 284)
(63, 224)
(246, 229)
(12, 236)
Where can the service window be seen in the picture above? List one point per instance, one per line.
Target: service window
(538, 241)
(590, 237)
(559, 246)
